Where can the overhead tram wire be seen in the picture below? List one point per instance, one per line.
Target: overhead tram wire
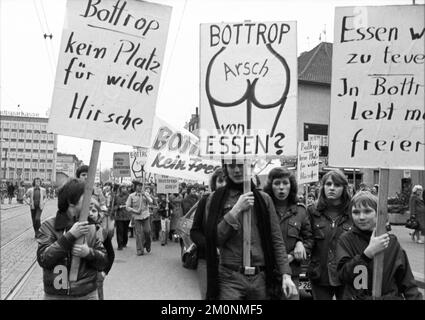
(49, 58)
(49, 33)
(173, 48)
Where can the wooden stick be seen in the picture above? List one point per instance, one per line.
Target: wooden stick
(247, 215)
(378, 260)
(88, 190)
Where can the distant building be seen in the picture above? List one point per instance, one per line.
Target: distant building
(313, 117)
(66, 166)
(27, 149)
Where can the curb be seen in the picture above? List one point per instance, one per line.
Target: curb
(13, 206)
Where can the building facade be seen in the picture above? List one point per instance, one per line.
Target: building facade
(27, 149)
(66, 167)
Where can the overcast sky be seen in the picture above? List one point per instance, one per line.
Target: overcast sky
(28, 61)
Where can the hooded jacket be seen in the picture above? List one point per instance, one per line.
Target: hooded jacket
(55, 244)
(397, 278)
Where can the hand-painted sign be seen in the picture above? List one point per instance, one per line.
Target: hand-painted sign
(121, 164)
(109, 70)
(137, 163)
(248, 89)
(175, 153)
(166, 184)
(308, 162)
(377, 98)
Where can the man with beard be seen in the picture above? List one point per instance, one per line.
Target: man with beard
(227, 277)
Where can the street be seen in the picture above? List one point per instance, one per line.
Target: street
(158, 275)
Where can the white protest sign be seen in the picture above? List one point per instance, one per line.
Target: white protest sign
(109, 69)
(175, 153)
(308, 162)
(137, 163)
(377, 99)
(166, 184)
(121, 164)
(248, 90)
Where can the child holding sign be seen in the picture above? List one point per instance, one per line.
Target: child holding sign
(357, 248)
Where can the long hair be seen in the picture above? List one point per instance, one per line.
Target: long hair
(33, 181)
(280, 173)
(217, 175)
(337, 177)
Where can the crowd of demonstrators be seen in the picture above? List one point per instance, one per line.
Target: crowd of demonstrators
(417, 211)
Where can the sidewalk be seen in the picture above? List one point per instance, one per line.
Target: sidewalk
(7, 206)
(415, 253)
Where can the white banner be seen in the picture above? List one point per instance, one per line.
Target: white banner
(248, 92)
(175, 153)
(308, 161)
(166, 184)
(109, 70)
(377, 99)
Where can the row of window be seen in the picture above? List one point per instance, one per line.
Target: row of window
(26, 156)
(27, 135)
(28, 145)
(28, 175)
(23, 125)
(27, 165)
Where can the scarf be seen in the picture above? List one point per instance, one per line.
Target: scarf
(215, 214)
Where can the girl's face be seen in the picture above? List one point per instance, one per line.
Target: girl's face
(364, 217)
(333, 191)
(93, 212)
(281, 188)
(310, 201)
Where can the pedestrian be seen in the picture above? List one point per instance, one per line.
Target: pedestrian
(82, 174)
(56, 246)
(357, 248)
(417, 211)
(329, 217)
(36, 198)
(155, 217)
(294, 222)
(21, 193)
(227, 276)
(164, 210)
(176, 202)
(10, 191)
(190, 199)
(197, 232)
(3, 191)
(137, 203)
(375, 189)
(122, 217)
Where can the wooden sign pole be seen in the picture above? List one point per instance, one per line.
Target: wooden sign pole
(88, 190)
(378, 260)
(247, 216)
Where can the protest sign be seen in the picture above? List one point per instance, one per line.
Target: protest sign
(308, 162)
(377, 97)
(175, 153)
(248, 89)
(166, 184)
(121, 164)
(137, 163)
(108, 71)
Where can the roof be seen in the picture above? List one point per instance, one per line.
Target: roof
(316, 65)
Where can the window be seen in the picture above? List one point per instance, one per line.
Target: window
(29, 126)
(51, 136)
(43, 136)
(27, 165)
(50, 146)
(7, 125)
(42, 156)
(27, 155)
(44, 127)
(12, 155)
(19, 164)
(13, 144)
(50, 156)
(21, 145)
(49, 165)
(5, 134)
(26, 175)
(28, 136)
(34, 165)
(13, 135)
(21, 135)
(41, 165)
(22, 126)
(14, 125)
(36, 136)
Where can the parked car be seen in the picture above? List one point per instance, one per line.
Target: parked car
(183, 230)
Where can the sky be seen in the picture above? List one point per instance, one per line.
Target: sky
(28, 60)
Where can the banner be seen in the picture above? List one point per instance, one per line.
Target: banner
(377, 96)
(166, 184)
(121, 164)
(109, 70)
(248, 91)
(308, 161)
(175, 153)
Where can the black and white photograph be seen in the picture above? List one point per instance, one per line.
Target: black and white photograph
(195, 151)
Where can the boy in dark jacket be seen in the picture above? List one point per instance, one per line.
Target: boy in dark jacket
(56, 246)
(357, 248)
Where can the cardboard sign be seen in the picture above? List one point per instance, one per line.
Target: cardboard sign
(248, 102)
(137, 163)
(109, 69)
(175, 153)
(377, 99)
(166, 184)
(121, 164)
(308, 161)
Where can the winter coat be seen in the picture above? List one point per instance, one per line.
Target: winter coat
(55, 244)
(397, 278)
(121, 214)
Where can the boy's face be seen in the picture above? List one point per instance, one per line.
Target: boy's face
(93, 212)
(364, 217)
